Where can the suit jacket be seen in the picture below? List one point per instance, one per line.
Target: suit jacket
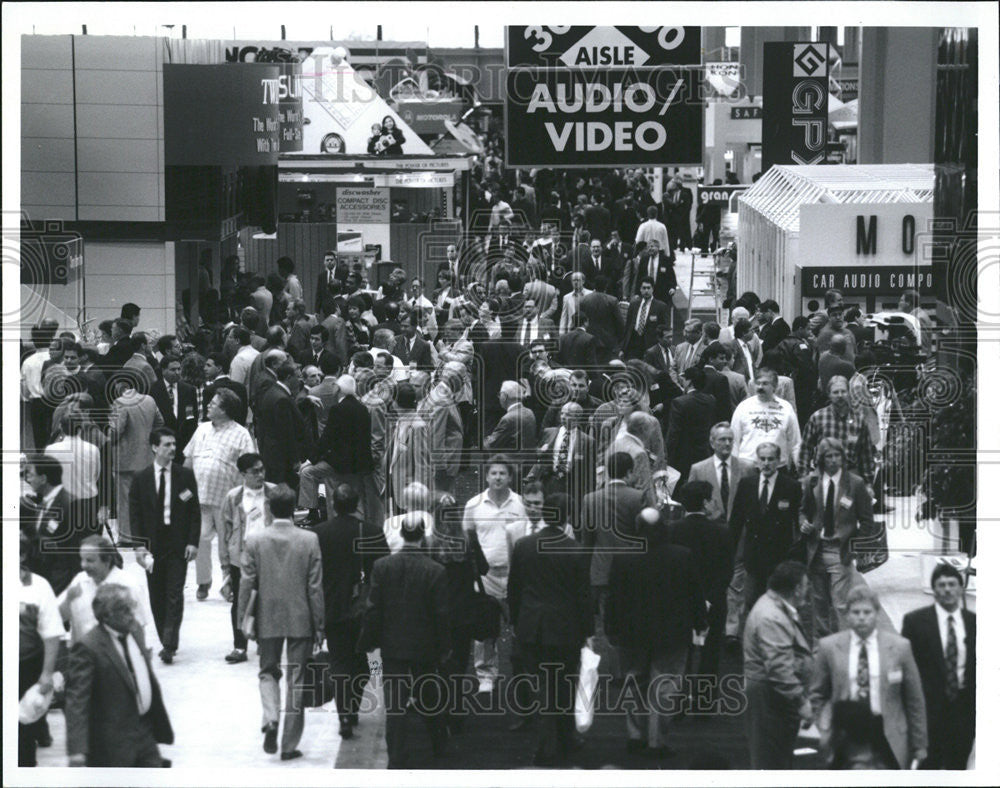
(739, 359)
(666, 279)
(904, 719)
(281, 433)
(548, 591)
(421, 354)
(102, 718)
(776, 651)
(605, 322)
(145, 517)
(545, 296)
(688, 355)
(704, 471)
(853, 513)
(232, 539)
(738, 390)
(578, 349)
(607, 524)
(348, 547)
(445, 434)
(407, 611)
(133, 417)
(226, 383)
(187, 407)
(516, 431)
(717, 384)
(337, 342)
(655, 598)
(768, 536)
(546, 330)
(55, 537)
(773, 333)
(141, 366)
(282, 563)
(582, 464)
(346, 443)
(117, 355)
(612, 266)
(691, 418)
(408, 457)
(920, 627)
(325, 300)
(570, 304)
(634, 345)
(712, 549)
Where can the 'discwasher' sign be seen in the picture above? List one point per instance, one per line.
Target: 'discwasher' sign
(603, 96)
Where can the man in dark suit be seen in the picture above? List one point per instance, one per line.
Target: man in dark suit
(691, 418)
(319, 337)
(655, 605)
(114, 708)
(47, 520)
(349, 547)
(328, 283)
(410, 347)
(121, 346)
(578, 348)
(658, 264)
(217, 377)
(604, 318)
(943, 637)
(603, 262)
(281, 430)
(407, 618)
(178, 403)
(766, 517)
(567, 457)
(532, 326)
(716, 358)
(772, 328)
(548, 594)
(165, 515)
(645, 314)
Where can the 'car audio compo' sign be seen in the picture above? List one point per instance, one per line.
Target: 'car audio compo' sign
(796, 103)
(603, 96)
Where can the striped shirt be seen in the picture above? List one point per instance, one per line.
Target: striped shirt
(213, 452)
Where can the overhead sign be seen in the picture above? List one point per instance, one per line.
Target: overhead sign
(867, 280)
(429, 117)
(723, 78)
(889, 234)
(575, 46)
(719, 195)
(357, 205)
(609, 118)
(796, 103)
(746, 113)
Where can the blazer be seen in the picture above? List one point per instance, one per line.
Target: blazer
(607, 523)
(691, 418)
(445, 433)
(545, 296)
(739, 359)
(143, 371)
(718, 385)
(516, 431)
(738, 390)
(655, 598)
(55, 537)
(282, 563)
(666, 279)
(904, 719)
(853, 515)
(582, 464)
(712, 549)
(117, 355)
(688, 355)
(548, 591)
(421, 354)
(348, 547)
(226, 383)
(773, 333)
(704, 471)
(281, 432)
(407, 457)
(133, 417)
(187, 407)
(407, 611)
(102, 718)
(768, 536)
(234, 525)
(633, 345)
(578, 349)
(570, 304)
(920, 627)
(185, 511)
(611, 266)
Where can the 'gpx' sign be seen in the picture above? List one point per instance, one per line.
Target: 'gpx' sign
(796, 103)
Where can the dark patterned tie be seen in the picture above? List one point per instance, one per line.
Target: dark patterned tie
(764, 498)
(562, 461)
(828, 511)
(162, 492)
(643, 314)
(864, 680)
(724, 488)
(951, 661)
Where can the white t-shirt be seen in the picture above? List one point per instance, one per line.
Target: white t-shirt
(81, 611)
(39, 614)
(755, 422)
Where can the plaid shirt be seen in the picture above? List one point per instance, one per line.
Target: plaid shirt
(849, 430)
(213, 452)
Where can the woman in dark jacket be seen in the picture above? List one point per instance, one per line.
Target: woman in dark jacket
(393, 138)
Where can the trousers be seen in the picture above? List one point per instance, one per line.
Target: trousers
(772, 725)
(297, 653)
(211, 524)
(402, 679)
(239, 639)
(166, 596)
(351, 670)
(659, 673)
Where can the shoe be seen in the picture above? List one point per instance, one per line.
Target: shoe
(271, 739)
(635, 746)
(346, 731)
(203, 591)
(486, 685)
(291, 756)
(662, 752)
(520, 724)
(226, 592)
(237, 655)
(167, 655)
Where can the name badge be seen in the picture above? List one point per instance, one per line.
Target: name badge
(803, 346)
(544, 448)
(846, 502)
(655, 387)
(652, 318)
(782, 506)
(52, 526)
(184, 495)
(895, 676)
(190, 412)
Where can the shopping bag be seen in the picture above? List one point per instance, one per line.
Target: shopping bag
(586, 689)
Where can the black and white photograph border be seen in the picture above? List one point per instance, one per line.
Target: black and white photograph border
(215, 707)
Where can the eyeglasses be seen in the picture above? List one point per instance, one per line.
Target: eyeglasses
(256, 471)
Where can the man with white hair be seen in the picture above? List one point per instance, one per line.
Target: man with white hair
(516, 429)
(727, 335)
(571, 302)
(416, 500)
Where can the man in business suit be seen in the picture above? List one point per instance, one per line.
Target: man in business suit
(114, 708)
(716, 357)
(658, 264)
(281, 430)
(410, 347)
(217, 377)
(319, 337)
(943, 637)
(133, 418)
(545, 296)
(644, 316)
(121, 346)
(689, 352)
(165, 515)
(282, 564)
(836, 510)
(578, 348)
(604, 318)
(603, 262)
(691, 418)
(567, 457)
(47, 519)
(550, 611)
(744, 361)
(406, 617)
(533, 326)
(178, 403)
(572, 301)
(765, 516)
(328, 283)
(655, 605)
(777, 665)
(773, 328)
(662, 354)
(876, 669)
(516, 430)
(348, 547)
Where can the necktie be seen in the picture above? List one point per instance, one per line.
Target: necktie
(951, 661)
(863, 677)
(562, 460)
(764, 497)
(161, 493)
(828, 511)
(643, 313)
(123, 639)
(724, 488)
(652, 267)
(597, 263)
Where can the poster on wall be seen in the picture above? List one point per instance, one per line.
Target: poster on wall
(796, 103)
(359, 205)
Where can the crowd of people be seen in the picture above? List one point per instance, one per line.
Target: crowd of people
(648, 485)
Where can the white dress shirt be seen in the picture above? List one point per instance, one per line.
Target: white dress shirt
(166, 494)
(144, 687)
(31, 374)
(942, 618)
(747, 357)
(871, 644)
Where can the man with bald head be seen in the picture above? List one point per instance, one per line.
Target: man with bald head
(567, 456)
(416, 499)
(516, 430)
(835, 361)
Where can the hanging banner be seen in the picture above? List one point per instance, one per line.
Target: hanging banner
(552, 46)
(356, 205)
(723, 78)
(796, 103)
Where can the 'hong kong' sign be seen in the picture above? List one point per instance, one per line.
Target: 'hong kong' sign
(796, 103)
